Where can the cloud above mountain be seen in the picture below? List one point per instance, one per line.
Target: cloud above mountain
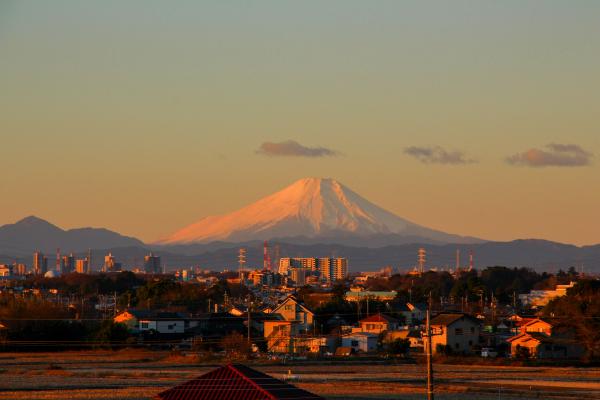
(291, 148)
(552, 155)
(438, 155)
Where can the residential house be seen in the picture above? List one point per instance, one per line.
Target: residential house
(278, 334)
(417, 313)
(536, 325)
(377, 324)
(210, 328)
(293, 319)
(131, 318)
(364, 295)
(291, 309)
(536, 339)
(455, 332)
(140, 321)
(539, 345)
(414, 337)
(363, 342)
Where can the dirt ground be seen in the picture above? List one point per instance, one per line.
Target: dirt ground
(134, 374)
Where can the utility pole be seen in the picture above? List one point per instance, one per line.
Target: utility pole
(358, 306)
(249, 342)
(429, 352)
(429, 363)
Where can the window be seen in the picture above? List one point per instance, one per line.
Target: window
(458, 331)
(470, 343)
(171, 327)
(472, 329)
(144, 325)
(457, 345)
(288, 307)
(354, 343)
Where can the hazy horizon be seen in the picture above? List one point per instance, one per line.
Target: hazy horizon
(473, 118)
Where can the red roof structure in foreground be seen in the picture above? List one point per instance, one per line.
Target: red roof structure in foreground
(235, 382)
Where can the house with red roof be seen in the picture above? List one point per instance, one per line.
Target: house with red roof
(377, 324)
(235, 382)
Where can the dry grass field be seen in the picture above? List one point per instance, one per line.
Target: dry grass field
(140, 374)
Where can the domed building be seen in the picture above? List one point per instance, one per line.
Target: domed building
(52, 274)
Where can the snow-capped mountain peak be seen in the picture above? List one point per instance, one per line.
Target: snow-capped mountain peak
(310, 207)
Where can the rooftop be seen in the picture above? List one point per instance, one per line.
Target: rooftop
(235, 382)
(379, 318)
(449, 319)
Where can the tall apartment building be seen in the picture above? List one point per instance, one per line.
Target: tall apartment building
(40, 263)
(298, 275)
(329, 269)
(20, 269)
(82, 266)
(340, 268)
(152, 264)
(110, 265)
(6, 270)
(67, 264)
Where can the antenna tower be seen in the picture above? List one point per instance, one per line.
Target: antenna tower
(276, 256)
(58, 260)
(242, 262)
(471, 261)
(457, 269)
(422, 259)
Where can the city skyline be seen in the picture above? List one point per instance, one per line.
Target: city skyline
(476, 119)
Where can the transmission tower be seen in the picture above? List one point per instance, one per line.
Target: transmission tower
(241, 262)
(422, 259)
(471, 261)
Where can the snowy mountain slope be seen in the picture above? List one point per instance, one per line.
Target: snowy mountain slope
(310, 208)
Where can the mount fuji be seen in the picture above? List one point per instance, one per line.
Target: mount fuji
(312, 210)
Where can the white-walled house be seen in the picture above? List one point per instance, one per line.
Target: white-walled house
(363, 342)
(139, 321)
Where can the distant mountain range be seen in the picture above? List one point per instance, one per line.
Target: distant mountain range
(540, 255)
(311, 218)
(33, 233)
(312, 210)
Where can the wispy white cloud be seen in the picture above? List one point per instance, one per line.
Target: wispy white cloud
(438, 155)
(291, 148)
(552, 155)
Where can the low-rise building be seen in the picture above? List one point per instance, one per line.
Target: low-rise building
(536, 325)
(456, 333)
(293, 319)
(540, 345)
(140, 321)
(377, 324)
(363, 342)
(291, 309)
(414, 337)
(363, 295)
(540, 298)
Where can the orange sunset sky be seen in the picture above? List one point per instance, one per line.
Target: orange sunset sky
(473, 117)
